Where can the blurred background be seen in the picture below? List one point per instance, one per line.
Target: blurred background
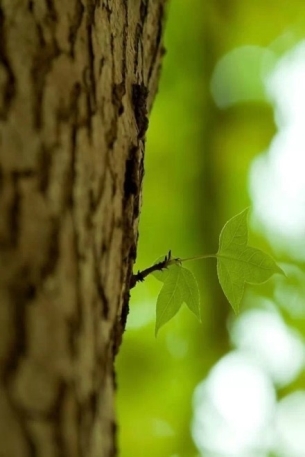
(226, 132)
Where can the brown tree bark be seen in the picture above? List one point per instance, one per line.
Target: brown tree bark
(77, 79)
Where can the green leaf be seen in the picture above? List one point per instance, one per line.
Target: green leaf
(179, 286)
(170, 298)
(190, 291)
(161, 275)
(238, 263)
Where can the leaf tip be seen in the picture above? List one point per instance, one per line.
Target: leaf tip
(235, 308)
(280, 271)
(157, 328)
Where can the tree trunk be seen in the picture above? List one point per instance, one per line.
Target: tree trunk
(77, 79)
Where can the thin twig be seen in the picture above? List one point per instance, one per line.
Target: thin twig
(168, 260)
(141, 275)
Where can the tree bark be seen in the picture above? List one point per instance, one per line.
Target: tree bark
(77, 79)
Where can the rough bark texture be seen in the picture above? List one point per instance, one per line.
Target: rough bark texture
(77, 78)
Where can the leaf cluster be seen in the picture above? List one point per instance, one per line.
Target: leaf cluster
(237, 265)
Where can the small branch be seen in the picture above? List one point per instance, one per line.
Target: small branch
(141, 275)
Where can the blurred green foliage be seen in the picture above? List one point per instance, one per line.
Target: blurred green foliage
(196, 177)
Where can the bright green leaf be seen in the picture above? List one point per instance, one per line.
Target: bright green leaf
(190, 291)
(179, 286)
(170, 298)
(238, 263)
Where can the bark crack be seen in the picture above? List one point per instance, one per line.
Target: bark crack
(42, 65)
(76, 22)
(8, 92)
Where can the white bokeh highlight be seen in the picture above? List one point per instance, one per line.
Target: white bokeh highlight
(290, 426)
(234, 407)
(277, 181)
(265, 338)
